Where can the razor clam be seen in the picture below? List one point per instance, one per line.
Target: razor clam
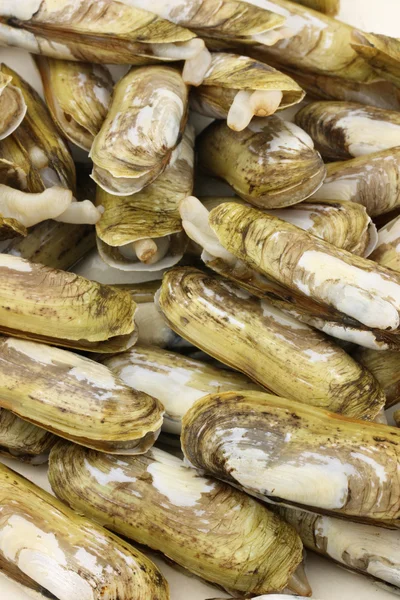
(12, 106)
(40, 138)
(76, 398)
(203, 525)
(372, 180)
(385, 367)
(369, 550)
(344, 130)
(344, 224)
(131, 226)
(175, 380)
(94, 268)
(97, 31)
(195, 219)
(146, 119)
(78, 96)
(328, 7)
(37, 302)
(381, 52)
(275, 350)
(285, 452)
(351, 284)
(251, 161)
(237, 88)
(386, 252)
(54, 553)
(22, 440)
(318, 44)
(56, 245)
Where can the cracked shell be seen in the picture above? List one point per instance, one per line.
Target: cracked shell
(254, 337)
(199, 523)
(292, 454)
(76, 398)
(53, 553)
(251, 160)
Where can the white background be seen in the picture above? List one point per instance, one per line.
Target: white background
(329, 582)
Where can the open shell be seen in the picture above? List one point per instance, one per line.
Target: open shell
(44, 304)
(175, 380)
(381, 52)
(148, 217)
(292, 454)
(22, 440)
(328, 7)
(385, 367)
(143, 126)
(280, 353)
(237, 88)
(95, 31)
(40, 138)
(12, 106)
(54, 553)
(344, 130)
(353, 285)
(366, 549)
(317, 43)
(251, 161)
(78, 96)
(386, 252)
(199, 523)
(76, 398)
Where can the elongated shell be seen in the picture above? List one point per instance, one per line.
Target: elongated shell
(318, 44)
(354, 285)
(328, 7)
(371, 180)
(143, 126)
(366, 549)
(381, 52)
(40, 138)
(251, 161)
(386, 252)
(62, 308)
(76, 398)
(78, 96)
(153, 212)
(12, 106)
(98, 31)
(385, 366)
(344, 224)
(238, 88)
(175, 380)
(344, 130)
(284, 451)
(53, 552)
(280, 353)
(22, 440)
(201, 524)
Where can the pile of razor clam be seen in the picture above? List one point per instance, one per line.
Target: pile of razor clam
(207, 376)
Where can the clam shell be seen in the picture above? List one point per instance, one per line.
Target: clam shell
(175, 380)
(12, 106)
(143, 126)
(280, 353)
(53, 552)
(76, 398)
(286, 452)
(386, 251)
(16, 168)
(344, 130)
(45, 304)
(78, 96)
(294, 258)
(385, 367)
(371, 180)
(199, 523)
(251, 161)
(22, 440)
(369, 550)
(381, 52)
